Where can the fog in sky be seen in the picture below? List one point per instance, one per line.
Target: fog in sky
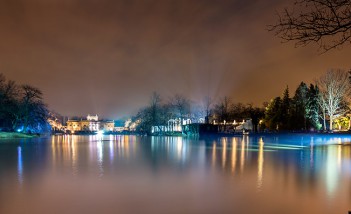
(106, 57)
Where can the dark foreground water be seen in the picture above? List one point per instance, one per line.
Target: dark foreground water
(129, 174)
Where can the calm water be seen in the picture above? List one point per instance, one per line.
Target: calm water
(129, 174)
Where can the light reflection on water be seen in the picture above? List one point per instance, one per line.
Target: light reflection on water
(19, 165)
(274, 172)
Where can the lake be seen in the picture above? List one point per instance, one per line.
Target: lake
(133, 174)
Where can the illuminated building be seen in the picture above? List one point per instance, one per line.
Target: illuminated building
(55, 124)
(108, 125)
(121, 125)
(173, 125)
(91, 124)
(244, 125)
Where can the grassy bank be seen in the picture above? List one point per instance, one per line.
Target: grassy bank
(16, 135)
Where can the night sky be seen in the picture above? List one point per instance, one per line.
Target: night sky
(106, 57)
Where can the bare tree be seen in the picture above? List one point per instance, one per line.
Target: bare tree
(2, 81)
(182, 106)
(155, 103)
(207, 105)
(33, 112)
(9, 105)
(325, 22)
(222, 109)
(333, 87)
(155, 114)
(323, 106)
(22, 107)
(8, 88)
(255, 113)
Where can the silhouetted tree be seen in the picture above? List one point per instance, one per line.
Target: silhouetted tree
(285, 110)
(255, 113)
(181, 106)
(155, 114)
(33, 112)
(222, 109)
(305, 109)
(273, 114)
(9, 104)
(299, 111)
(325, 22)
(22, 107)
(238, 111)
(155, 103)
(313, 107)
(207, 106)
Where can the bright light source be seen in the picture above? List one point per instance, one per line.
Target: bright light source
(100, 132)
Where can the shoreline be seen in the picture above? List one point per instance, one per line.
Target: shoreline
(214, 134)
(16, 135)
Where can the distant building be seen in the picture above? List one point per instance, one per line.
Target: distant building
(245, 125)
(235, 127)
(92, 118)
(120, 126)
(55, 124)
(108, 126)
(90, 124)
(173, 125)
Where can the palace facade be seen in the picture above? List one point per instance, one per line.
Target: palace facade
(90, 124)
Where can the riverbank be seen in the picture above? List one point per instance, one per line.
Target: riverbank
(9, 135)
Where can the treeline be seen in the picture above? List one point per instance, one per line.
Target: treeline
(22, 108)
(159, 111)
(321, 106)
(301, 112)
(324, 105)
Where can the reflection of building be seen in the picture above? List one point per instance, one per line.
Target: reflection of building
(91, 124)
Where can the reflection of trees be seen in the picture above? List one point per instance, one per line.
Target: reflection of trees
(170, 152)
(22, 161)
(260, 162)
(309, 167)
(314, 167)
(93, 154)
(242, 157)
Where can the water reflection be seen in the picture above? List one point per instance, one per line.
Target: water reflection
(224, 152)
(333, 165)
(323, 163)
(260, 162)
(234, 148)
(214, 152)
(110, 151)
(242, 155)
(19, 165)
(272, 165)
(112, 148)
(172, 149)
(100, 157)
